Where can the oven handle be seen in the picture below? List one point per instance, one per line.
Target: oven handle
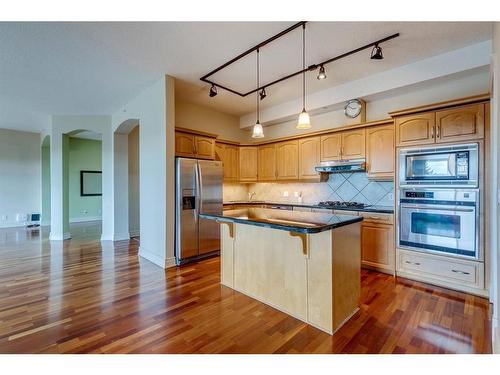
(427, 207)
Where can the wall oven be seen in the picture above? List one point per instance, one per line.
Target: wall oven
(440, 166)
(444, 221)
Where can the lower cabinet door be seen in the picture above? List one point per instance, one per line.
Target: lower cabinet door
(377, 246)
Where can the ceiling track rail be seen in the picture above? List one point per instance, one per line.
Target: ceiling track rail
(302, 24)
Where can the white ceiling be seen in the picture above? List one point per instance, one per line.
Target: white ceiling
(94, 68)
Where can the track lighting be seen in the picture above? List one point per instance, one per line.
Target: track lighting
(377, 53)
(262, 94)
(213, 91)
(321, 73)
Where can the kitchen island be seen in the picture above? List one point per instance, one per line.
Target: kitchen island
(305, 264)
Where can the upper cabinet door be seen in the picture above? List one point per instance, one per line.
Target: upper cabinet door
(415, 129)
(231, 158)
(219, 153)
(460, 124)
(330, 146)
(353, 144)
(309, 157)
(287, 160)
(205, 147)
(267, 162)
(248, 163)
(380, 152)
(184, 144)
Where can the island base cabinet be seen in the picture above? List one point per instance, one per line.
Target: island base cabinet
(312, 277)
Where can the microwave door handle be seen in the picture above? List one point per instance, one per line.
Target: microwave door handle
(426, 207)
(452, 165)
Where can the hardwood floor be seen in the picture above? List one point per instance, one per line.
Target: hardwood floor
(84, 297)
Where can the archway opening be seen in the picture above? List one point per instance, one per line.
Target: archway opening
(82, 151)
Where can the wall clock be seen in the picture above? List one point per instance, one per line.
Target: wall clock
(353, 108)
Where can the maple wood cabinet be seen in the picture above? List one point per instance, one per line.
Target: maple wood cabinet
(415, 129)
(309, 157)
(464, 123)
(194, 146)
(343, 145)
(287, 160)
(377, 242)
(380, 152)
(229, 155)
(248, 162)
(460, 124)
(267, 162)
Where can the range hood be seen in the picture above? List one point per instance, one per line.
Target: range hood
(339, 166)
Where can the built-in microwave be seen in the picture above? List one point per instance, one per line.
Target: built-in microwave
(445, 166)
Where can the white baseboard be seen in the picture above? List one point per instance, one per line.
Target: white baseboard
(121, 236)
(58, 237)
(134, 232)
(170, 262)
(82, 219)
(155, 259)
(11, 224)
(495, 334)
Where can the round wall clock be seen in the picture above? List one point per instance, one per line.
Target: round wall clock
(352, 108)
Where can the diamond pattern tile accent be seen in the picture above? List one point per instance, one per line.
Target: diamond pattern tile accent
(373, 192)
(346, 191)
(353, 187)
(359, 180)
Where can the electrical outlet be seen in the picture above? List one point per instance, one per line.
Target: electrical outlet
(4, 217)
(285, 193)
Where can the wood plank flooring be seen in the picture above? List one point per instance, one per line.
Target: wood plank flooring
(84, 297)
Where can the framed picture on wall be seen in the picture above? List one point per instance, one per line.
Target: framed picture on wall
(90, 183)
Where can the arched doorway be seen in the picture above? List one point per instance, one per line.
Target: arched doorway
(127, 180)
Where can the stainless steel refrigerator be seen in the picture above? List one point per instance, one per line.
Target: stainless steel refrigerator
(198, 189)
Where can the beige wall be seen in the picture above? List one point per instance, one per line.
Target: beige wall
(198, 117)
(133, 182)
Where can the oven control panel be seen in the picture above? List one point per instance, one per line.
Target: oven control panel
(419, 194)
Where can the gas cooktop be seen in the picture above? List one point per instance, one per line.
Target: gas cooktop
(339, 204)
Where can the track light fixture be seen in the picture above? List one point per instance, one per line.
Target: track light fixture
(321, 73)
(213, 91)
(262, 94)
(377, 53)
(258, 131)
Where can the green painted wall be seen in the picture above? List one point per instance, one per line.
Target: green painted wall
(46, 185)
(84, 154)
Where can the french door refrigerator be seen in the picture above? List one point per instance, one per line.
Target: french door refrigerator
(198, 189)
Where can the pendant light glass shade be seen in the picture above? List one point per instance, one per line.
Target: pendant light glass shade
(258, 131)
(304, 120)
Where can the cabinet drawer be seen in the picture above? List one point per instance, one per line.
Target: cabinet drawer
(442, 268)
(378, 217)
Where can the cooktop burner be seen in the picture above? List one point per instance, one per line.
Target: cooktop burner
(339, 204)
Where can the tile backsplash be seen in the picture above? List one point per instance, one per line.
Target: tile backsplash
(353, 187)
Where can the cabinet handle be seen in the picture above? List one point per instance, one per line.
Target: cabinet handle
(432, 132)
(462, 272)
(415, 263)
(438, 131)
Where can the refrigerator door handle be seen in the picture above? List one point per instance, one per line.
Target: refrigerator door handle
(199, 192)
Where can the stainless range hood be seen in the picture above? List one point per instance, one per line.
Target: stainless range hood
(339, 166)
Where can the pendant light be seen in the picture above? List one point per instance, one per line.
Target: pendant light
(258, 131)
(304, 120)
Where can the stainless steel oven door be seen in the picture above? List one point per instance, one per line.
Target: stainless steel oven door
(439, 228)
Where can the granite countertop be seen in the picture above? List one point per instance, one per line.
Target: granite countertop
(292, 221)
(372, 208)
